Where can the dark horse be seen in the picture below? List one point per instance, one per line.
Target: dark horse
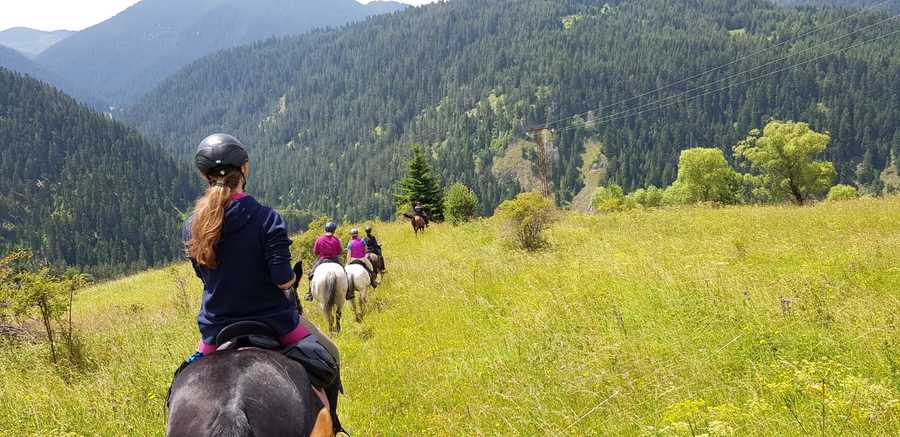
(377, 263)
(418, 224)
(251, 392)
(417, 221)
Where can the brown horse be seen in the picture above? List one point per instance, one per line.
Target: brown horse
(377, 263)
(418, 224)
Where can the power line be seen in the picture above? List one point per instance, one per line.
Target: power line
(741, 83)
(732, 76)
(814, 30)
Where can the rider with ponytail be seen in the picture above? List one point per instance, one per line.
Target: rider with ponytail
(241, 251)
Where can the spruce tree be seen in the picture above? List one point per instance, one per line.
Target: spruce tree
(420, 185)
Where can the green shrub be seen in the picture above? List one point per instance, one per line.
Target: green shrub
(526, 217)
(705, 176)
(650, 197)
(28, 292)
(842, 192)
(459, 204)
(611, 198)
(675, 194)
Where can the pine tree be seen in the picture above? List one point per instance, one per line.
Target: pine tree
(420, 185)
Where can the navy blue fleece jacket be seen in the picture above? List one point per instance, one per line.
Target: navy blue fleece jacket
(254, 258)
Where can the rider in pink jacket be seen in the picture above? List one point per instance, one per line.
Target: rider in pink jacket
(327, 249)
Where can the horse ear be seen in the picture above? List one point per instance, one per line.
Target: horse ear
(324, 427)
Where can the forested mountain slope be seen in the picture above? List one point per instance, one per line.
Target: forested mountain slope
(330, 112)
(81, 189)
(31, 42)
(121, 58)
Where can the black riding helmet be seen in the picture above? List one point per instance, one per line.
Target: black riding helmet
(218, 153)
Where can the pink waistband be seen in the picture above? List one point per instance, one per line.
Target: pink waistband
(299, 333)
(206, 349)
(289, 339)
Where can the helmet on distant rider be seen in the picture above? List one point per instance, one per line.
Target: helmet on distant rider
(354, 232)
(218, 153)
(330, 227)
(368, 229)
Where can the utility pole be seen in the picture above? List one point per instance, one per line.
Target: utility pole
(538, 132)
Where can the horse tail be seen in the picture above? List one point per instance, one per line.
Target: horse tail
(331, 286)
(231, 421)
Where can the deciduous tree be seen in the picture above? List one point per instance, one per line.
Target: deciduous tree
(706, 176)
(785, 156)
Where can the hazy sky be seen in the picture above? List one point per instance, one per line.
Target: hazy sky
(74, 14)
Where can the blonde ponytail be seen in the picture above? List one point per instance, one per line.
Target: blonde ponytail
(209, 215)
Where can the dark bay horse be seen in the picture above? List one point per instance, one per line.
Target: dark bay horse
(418, 224)
(246, 393)
(377, 263)
(417, 221)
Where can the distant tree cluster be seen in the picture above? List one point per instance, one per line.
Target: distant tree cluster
(782, 163)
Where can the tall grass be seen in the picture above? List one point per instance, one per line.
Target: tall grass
(744, 321)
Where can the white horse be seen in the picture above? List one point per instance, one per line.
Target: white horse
(329, 287)
(359, 282)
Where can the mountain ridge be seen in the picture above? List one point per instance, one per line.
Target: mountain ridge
(123, 57)
(31, 42)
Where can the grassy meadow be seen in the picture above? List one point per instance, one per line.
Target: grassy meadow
(724, 321)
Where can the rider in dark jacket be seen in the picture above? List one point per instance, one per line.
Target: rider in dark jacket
(371, 242)
(240, 250)
(420, 211)
(372, 246)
